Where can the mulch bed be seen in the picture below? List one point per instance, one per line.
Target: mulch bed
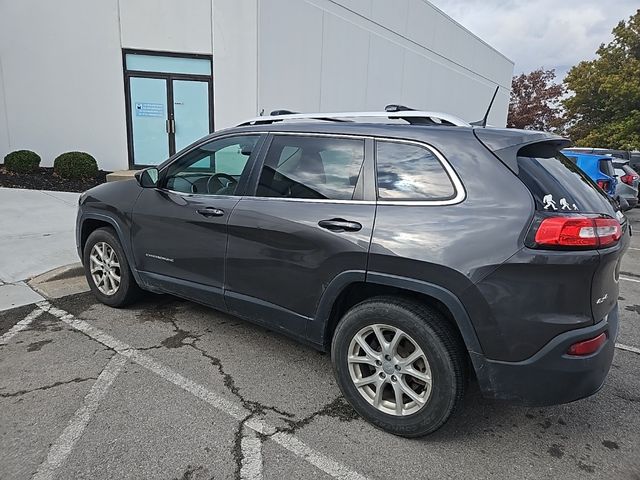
(45, 179)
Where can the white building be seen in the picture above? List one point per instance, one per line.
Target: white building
(132, 81)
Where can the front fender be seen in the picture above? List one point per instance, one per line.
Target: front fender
(120, 232)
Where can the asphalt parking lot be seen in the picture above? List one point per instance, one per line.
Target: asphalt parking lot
(169, 389)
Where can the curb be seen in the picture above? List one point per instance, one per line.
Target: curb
(61, 273)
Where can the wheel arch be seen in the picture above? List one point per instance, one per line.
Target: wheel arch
(352, 287)
(93, 221)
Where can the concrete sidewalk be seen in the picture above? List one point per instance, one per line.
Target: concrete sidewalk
(36, 235)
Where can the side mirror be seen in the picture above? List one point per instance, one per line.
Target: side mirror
(148, 178)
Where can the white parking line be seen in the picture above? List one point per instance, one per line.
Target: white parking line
(628, 348)
(315, 458)
(251, 446)
(286, 440)
(63, 446)
(629, 279)
(21, 325)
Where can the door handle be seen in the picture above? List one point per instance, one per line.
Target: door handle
(210, 212)
(340, 225)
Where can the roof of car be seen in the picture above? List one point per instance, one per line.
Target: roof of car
(389, 123)
(589, 156)
(499, 137)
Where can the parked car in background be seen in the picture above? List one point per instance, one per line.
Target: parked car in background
(623, 154)
(628, 181)
(634, 161)
(598, 167)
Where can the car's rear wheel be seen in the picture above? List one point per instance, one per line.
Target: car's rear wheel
(107, 269)
(400, 364)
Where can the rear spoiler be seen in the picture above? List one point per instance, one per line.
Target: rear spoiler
(506, 144)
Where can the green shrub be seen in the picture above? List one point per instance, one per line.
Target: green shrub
(75, 165)
(22, 161)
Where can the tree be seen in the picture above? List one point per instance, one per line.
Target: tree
(535, 102)
(604, 108)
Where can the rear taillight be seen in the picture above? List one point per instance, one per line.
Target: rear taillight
(587, 347)
(628, 178)
(603, 184)
(577, 232)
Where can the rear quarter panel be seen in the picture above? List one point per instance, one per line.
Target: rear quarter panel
(456, 246)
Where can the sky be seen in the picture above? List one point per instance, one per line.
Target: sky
(541, 33)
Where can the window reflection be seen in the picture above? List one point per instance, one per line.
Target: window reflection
(410, 172)
(311, 167)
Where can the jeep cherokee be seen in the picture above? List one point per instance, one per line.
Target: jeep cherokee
(417, 249)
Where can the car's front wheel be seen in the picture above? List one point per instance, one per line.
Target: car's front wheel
(107, 269)
(400, 365)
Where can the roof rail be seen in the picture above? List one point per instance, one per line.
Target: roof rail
(410, 116)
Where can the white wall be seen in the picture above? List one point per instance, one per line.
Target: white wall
(62, 74)
(4, 117)
(61, 78)
(235, 61)
(167, 25)
(328, 55)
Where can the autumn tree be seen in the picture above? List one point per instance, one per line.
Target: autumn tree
(535, 102)
(604, 108)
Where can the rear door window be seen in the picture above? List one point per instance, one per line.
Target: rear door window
(558, 185)
(410, 172)
(313, 167)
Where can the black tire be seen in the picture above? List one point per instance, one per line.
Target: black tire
(441, 344)
(128, 291)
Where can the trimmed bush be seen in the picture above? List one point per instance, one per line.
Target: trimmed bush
(22, 161)
(75, 165)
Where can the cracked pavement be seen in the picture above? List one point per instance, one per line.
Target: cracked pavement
(148, 425)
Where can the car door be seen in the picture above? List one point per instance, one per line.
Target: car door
(306, 224)
(179, 229)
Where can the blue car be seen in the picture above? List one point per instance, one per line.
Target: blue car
(599, 168)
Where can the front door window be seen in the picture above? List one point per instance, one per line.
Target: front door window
(214, 168)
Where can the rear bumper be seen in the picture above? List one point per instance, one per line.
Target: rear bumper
(551, 376)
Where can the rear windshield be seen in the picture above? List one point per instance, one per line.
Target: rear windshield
(557, 184)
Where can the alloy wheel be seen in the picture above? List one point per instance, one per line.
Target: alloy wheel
(389, 369)
(105, 268)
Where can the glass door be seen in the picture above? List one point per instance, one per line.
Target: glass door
(190, 111)
(169, 104)
(149, 120)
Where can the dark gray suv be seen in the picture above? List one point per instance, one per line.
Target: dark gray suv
(419, 250)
